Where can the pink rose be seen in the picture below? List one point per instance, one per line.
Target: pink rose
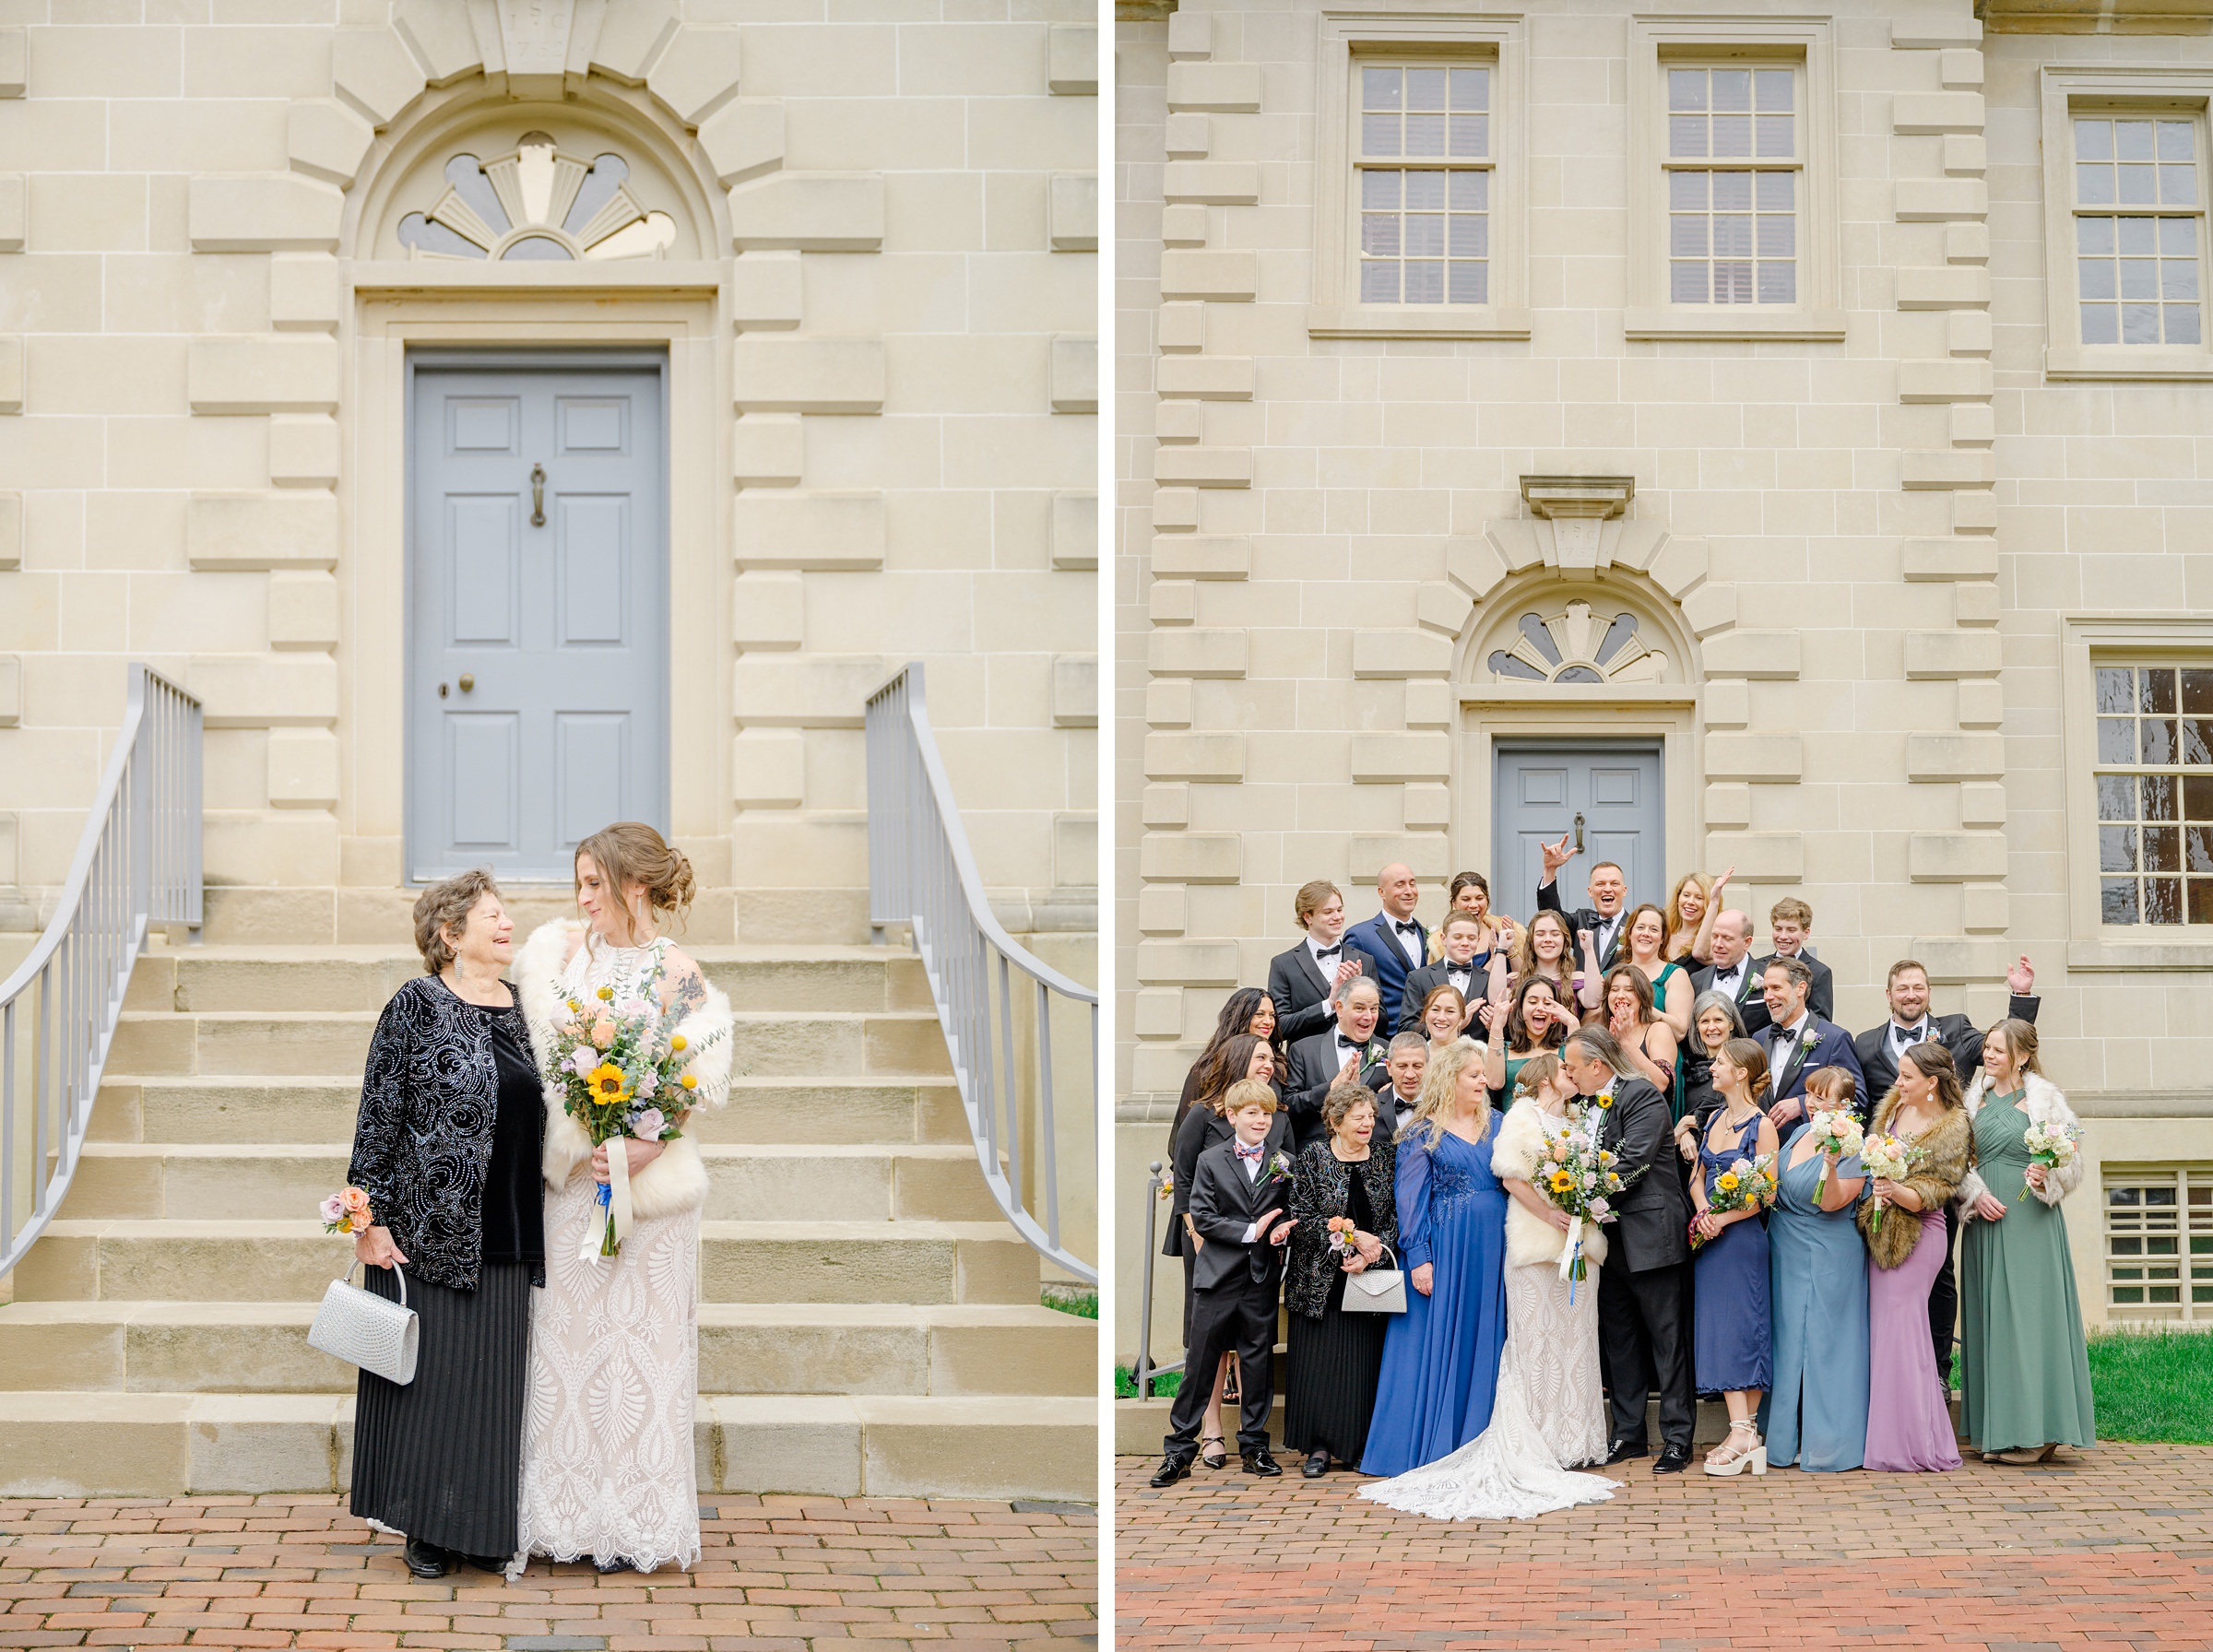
(603, 1033)
(648, 1126)
(354, 1199)
(333, 1208)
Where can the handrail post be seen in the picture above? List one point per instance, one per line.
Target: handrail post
(1144, 1323)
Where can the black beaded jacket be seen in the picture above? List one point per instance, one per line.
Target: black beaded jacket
(422, 1141)
(1321, 1187)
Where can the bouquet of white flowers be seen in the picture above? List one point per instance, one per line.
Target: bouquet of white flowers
(2050, 1146)
(1886, 1159)
(1835, 1131)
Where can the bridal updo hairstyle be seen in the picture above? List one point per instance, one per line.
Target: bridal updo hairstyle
(631, 852)
(1748, 1058)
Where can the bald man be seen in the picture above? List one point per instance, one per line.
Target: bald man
(1394, 943)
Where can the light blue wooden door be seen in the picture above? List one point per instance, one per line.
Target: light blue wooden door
(1609, 795)
(538, 660)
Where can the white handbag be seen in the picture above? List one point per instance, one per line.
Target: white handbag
(1376, 1289)
(360, 1328)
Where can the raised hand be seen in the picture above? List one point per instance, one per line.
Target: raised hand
(2020, 980)
(1556, 855)
(1350, 1072)
(1347, 969)
(1484, 1013)
(1721, 883)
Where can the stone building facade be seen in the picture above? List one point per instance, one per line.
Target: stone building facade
(1768, 425)
(852, 251)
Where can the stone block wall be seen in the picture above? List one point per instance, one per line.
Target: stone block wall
(892, 259)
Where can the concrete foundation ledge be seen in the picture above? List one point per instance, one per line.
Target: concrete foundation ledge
(81, 1445)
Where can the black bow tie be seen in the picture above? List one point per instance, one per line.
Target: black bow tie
(1912, 1034)
(1349, 1044)
(1459, 971)
(1328, 951)
(1407, 927)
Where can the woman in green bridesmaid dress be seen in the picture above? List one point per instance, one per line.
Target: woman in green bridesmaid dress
(2025, 1377)
(1537, 1023)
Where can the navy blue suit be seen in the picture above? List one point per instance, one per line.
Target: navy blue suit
(1377, 942)
(1831, 1047)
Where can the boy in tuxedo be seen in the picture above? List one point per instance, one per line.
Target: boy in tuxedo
(1462, 933)
(1238, 1196)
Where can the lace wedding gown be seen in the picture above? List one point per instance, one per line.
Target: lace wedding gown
(608, 1466)
(1550, 1412)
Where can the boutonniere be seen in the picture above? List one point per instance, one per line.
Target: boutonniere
(1810, 1037)
(1377, 1052)
(1279, 1166)
(1604, 1099)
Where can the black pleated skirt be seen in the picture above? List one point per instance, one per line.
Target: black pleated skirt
(442, 1458)
(1334, 1365)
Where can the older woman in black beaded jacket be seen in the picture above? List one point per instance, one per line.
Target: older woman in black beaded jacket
(446, 1146)
(1336, 1359)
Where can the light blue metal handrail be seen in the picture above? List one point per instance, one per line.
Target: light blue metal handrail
(920, 873)
(137, 865)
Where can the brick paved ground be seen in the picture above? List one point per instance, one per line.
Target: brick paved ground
(776, 1574)
(2112, 1550)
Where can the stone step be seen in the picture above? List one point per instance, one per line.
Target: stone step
(746, 1183)
(247, 1108)
(744, 1347)
(216, 978)
(173, 1261)
(335, 1043)
(73, 1444)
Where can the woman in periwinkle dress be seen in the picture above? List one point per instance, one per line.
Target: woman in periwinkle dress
(1440, 1357)
(1816, 1416)
(1908, 1419)
(2025, 1379)
(1734, 1357)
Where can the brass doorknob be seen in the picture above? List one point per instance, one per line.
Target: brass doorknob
(468, 682)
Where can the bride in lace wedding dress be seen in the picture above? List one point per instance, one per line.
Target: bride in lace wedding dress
(608, 1469)
(1550, 1413)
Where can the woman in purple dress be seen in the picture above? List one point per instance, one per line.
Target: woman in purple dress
(1909, 1417)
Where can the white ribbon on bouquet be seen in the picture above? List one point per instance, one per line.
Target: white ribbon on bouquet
(618, 1201)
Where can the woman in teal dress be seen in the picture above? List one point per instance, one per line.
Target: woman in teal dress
(1641, 938)
(1440, 1357)
(1536, 1023)
(1645, 1037)
(1816, 1416)
(2025, 1379)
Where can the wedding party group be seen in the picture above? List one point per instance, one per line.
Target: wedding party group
(522, 1179)
(1512, 1181)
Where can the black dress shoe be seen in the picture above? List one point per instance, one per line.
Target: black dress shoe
(485, 1562)
(1673, 1459)
(427, 1559)
(1173, 1467)
(1258, 1462)
(1318, 1464)
(1622, 1451)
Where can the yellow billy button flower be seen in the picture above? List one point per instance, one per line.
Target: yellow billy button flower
(689, 1082)
(608, 1084)
(606, 995)
(676, 1044)
(574, 1008)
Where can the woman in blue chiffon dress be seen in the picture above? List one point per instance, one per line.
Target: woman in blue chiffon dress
(1816, 1417)
(1440, 1357)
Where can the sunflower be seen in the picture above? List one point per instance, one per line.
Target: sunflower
(1726, 1181)
(608, 1084)
(1562, 1182)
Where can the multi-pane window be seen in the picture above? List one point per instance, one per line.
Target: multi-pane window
(1423, 172)
(2155, 793)
(2158, 1244)
(2138, 210)
(1734, 156)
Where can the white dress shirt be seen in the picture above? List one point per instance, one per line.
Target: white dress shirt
(1409, 941)
(1327, 966)
(1730, 980)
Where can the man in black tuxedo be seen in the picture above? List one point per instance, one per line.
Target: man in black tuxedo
(1878, 1049)
(1393, 941)
(1346, 1051)
(1791, 920)
(1799, 1043)
(1462, 934)
(1734, 972)
(1238, 1200)
(1609, 891)
(1398, 1083)
(1643, 1290)
(1305, 980)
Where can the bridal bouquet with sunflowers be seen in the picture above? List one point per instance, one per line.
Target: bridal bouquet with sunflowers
(622, 1070)
(1579, 1177)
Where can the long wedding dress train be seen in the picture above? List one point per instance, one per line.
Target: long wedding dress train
(1550, 1412)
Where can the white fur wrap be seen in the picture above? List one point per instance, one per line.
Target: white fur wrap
(1531, 1241)
(676, 1181)
(2045, 1105)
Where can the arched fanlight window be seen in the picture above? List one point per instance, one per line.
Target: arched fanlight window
(537, 205)
(1577, 645)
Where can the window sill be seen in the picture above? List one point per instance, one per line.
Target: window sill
(1390, 321)
(2121, 949)
(2126, 362)
(1750, 323)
